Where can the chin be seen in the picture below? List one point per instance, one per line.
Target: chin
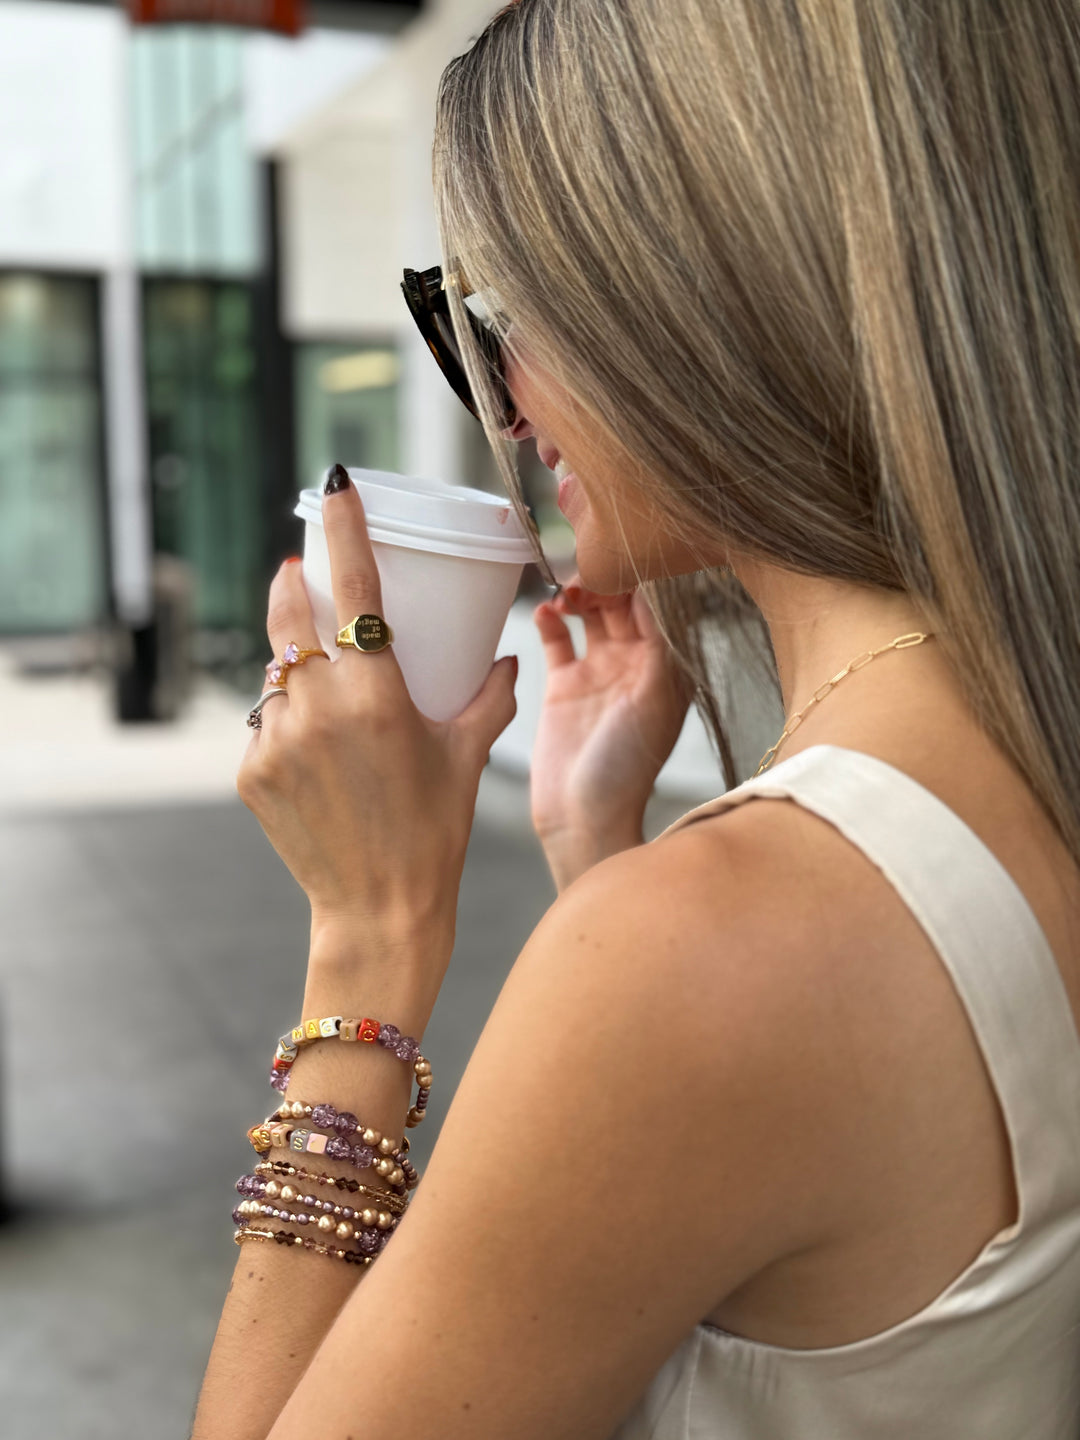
(607, 572)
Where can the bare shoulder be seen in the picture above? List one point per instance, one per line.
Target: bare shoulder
(736, 909)
(706, 973)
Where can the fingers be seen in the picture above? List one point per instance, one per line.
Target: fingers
(289, 620)
(608, 617)
(554, 636)
(354, 576)
(490, 712)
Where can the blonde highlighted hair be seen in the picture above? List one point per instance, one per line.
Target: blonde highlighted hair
(816, 265)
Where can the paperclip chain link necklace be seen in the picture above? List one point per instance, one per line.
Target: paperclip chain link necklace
(902, 642)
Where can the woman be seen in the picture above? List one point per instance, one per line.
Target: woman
(773, 1131)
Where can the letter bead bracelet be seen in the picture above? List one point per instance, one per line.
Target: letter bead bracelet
(365, 1031)
(275, 1133)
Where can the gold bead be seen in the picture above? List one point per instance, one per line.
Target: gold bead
(344, 1230)
(325, 1223)
(371, 1137)
(288, 1194)
(397, 1177)
(296, 1109)
(369, 1216)
(422, 1067)
(386, 1145)
(273, 1190)
(384, 1167)
(425, 1082)
(384, 1221)
(413, 1118)
(298, 1240)
(340, 1254)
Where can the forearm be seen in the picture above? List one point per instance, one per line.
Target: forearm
(281, 1304)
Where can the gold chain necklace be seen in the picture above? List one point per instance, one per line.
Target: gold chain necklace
(902, 642)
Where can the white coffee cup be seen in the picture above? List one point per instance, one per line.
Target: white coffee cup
(449, 560)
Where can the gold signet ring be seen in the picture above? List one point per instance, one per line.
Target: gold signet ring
(365, 632)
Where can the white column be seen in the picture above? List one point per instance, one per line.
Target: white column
(130, 523)
(432, 442)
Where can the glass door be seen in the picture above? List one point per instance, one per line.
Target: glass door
(52, 508)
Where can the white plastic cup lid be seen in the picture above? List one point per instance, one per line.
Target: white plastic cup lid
(421, 514)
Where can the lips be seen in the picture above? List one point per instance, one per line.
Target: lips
(567, 493)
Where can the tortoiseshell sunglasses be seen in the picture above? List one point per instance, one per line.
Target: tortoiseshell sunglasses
(426, 294)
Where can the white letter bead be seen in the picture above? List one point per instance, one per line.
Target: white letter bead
(329, 1026)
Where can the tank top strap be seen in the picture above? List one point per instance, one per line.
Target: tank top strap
(986, 934)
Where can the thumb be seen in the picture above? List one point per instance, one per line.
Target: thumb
(490, 712)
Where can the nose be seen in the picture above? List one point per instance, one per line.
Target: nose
(520, 430)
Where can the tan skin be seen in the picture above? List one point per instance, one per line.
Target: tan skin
(558, 1231)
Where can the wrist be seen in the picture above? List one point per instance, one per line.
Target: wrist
(392, 972)
(572, 851)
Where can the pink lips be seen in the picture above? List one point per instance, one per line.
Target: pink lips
(566, 494)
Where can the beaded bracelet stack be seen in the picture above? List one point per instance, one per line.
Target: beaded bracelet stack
(369, 1226)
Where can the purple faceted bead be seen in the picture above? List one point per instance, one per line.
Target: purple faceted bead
(362, 1156)
(279, 1079)
(238, 1219)
(338, 1149)
(346, 1123)
(389, 1035)
(324, 1116)
(407, 1049)
(369, 1242)
(292, 654)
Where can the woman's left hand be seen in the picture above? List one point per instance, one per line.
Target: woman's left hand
(367, 801)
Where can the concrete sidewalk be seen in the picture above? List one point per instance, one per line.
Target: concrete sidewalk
(62, 750)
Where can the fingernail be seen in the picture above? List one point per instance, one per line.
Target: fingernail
(337, 479)
(293, 560)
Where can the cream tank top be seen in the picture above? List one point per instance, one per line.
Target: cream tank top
(996, 1356)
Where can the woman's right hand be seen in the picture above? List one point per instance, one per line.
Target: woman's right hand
(609, 721)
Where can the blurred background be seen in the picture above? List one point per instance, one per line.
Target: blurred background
(205, 209)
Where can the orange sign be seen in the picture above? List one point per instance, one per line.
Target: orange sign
(284, 16)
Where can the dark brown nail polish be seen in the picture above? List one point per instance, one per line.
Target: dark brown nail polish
(337, 479)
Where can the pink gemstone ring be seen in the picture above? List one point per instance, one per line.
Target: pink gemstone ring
(277, 672)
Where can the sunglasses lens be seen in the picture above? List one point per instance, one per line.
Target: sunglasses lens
(437, 330)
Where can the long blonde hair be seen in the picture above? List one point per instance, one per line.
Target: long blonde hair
(816, 265)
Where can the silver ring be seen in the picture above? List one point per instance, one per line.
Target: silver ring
(254, 718)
